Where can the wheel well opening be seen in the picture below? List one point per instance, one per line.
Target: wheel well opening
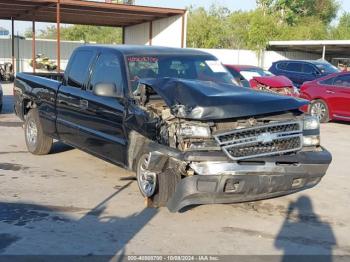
(27, 105)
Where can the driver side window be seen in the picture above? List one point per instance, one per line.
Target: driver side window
(108, 71)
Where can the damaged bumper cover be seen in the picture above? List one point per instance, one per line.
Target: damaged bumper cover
(219, 180)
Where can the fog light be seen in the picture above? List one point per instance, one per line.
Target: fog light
(231, 186)
(311, 140)
(297, 182)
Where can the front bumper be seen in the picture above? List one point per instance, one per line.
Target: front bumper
(231, 182)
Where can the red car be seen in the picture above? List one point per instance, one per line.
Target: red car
(258, 78)
(329, 96)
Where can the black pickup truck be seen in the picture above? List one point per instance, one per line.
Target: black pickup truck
(176, 118)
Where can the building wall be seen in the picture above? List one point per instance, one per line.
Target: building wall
(165, 32)
(23, 51)
(265, 59)
(137, 34)
(168, 32)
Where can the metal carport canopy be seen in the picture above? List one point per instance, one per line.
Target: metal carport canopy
(81, 12)
(324, 47)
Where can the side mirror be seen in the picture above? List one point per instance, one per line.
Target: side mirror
(106, 90)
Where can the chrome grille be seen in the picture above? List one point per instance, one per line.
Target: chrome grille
(263, 140)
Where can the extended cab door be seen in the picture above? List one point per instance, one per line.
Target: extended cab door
(101, 121)
(70, 108)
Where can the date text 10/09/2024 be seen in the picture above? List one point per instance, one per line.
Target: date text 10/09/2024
(173, 258)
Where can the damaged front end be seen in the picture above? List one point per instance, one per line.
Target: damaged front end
(275, 84)
(223, 149)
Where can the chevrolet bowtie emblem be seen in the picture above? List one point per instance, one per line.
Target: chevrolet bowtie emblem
(266, 138)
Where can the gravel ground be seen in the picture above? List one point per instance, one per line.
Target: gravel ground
(71, 203)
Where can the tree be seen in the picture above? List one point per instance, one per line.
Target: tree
(342, 30)
(291, 10)
(308, 28)
(98, 34)
(264, 5)
(262, 29)
(207, 29)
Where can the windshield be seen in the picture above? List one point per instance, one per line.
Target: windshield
(248, 74)
(203, 68)
(327, 68)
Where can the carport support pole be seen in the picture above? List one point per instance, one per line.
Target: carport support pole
(33, 46)
(183, 31)
(13, 43)
(58, 18)
(150, 33)
(324, 53)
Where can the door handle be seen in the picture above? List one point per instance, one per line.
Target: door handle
(330, 92)
(84, 104)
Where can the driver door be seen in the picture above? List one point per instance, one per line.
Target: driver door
(101, 131)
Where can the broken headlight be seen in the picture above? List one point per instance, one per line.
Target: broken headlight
(194, 131)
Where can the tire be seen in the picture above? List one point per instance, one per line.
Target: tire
(164, 184)
(38, 143)
(319, 109)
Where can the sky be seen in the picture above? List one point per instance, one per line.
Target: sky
(20, 27)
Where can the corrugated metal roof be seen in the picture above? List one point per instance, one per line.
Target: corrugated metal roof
(332, 47)
(83, 12)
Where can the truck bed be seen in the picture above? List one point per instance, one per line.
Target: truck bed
(40, 88)
(53, 76)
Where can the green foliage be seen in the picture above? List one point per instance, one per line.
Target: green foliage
(291, 11)
(207, 29)
(342, 31)
(98, 34)
(219, 27)
(308, 28)
(272, 20)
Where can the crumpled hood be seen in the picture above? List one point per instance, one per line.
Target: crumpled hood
(201, 100)
(274, 81)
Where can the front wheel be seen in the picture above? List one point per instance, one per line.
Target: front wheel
(38, 143)
(156, 188)
(319, 109)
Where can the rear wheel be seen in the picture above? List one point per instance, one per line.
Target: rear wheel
(38, 143)
(156, 188)
(319, 109)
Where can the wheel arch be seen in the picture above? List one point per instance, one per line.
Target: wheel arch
(330, 110)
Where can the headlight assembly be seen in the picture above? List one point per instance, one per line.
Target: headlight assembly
(311, 123)
(194, 131)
